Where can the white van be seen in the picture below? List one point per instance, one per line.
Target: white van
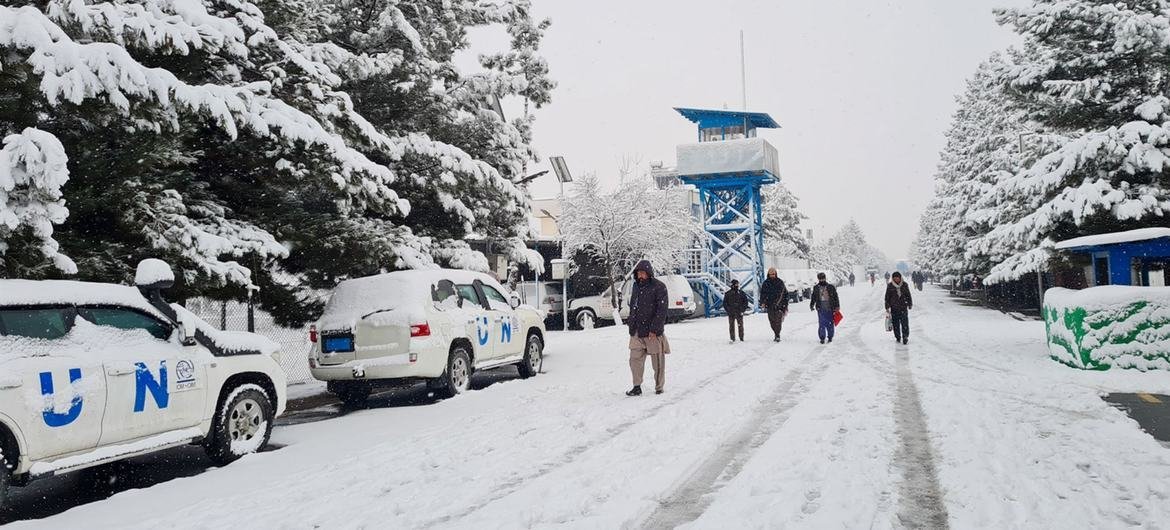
(585, 312)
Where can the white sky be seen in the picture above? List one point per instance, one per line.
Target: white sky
(863, 89)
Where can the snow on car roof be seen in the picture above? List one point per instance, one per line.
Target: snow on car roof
(355, 298)
(68, 292)
(1141, 234)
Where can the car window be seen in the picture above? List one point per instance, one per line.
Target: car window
(442, 290)
(496, 300)
(123, 318)
(468, 294)
(36, 322)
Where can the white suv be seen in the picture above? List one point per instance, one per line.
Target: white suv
(586, 311)
(437, 326)
(92, 373)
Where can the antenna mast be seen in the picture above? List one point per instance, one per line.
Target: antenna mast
(742, 71)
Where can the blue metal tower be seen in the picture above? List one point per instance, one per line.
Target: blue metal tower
(728, 166)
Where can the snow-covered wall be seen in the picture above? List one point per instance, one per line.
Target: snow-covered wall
(1109, 326)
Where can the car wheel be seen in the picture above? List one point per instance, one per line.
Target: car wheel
(457, 378)
(586, 319)
(533, 351)
(354, 395)
(242, 425)
(5, 478)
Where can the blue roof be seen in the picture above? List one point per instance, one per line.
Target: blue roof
(707, 118)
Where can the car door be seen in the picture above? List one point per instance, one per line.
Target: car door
(52, 386)
(505, 324)
(479, 320)
(154, 383)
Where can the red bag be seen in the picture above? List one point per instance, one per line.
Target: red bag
(837, 318)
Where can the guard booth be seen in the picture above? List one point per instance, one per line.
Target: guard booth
(1121, 321)
(728, 165)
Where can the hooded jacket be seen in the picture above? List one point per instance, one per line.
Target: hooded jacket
(898, 297)
(648, 304)
(735, 301)
(774, 295)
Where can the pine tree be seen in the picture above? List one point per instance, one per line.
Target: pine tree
(1092, 76)
(286, 152)
(782, 218)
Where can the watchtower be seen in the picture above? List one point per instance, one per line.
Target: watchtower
(728, 165)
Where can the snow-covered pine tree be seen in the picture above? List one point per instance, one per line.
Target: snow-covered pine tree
(982, 149)
(1092, 75)
(847, 250)
(197, 132)
(782, 218)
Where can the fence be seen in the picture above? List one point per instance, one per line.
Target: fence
(233, 316)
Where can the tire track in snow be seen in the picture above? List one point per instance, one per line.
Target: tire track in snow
(577, 451)
(691, 498)
(920, 499)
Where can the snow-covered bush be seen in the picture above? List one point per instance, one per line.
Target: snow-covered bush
(1109, 326)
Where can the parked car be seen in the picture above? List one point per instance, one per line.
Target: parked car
(93, 373)
(544, 296)
(588, 311)
(434, 326)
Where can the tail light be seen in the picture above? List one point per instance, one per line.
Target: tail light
(420, 330)
(679, 302)
(313, 333)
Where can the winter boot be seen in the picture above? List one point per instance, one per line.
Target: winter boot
(636, 391)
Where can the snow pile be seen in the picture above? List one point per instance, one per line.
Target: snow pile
(1141, 234)
(395, 298)
(729, 156)
(1109, 326)
(65, 292)
(229, 341)
(153, 271)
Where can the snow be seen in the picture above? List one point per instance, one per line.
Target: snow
(33, 169)
(153, 271)
(48, 292)
(396, 297)
(1141, 234)
(231, 341)
(728, 156)
(752, 435)
(1110, 326)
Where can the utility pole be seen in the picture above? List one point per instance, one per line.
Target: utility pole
(742, 72)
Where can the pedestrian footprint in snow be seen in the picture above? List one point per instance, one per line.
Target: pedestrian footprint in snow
(648, 306)
(826, 303)
(735, 302)
(898, 304)
(774, 300)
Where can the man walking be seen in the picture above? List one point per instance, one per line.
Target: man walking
(852, 279)
(898, 304)
(825, 302)
(735, 302)
(648, 305)
(774, 300)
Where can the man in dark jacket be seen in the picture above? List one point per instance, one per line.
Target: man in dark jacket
(774, 300)
(852, 279)
(825, 302)
(898, 304)
(648, 305)
(735, 302)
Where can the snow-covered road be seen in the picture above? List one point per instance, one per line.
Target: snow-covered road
(969, 424)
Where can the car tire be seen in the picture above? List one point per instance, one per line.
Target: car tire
(354, 395)
(5, 480)
(456, 379)
(242, 425)
(533, 352)
(586, 319)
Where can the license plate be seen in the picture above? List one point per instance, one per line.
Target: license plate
(332, 344)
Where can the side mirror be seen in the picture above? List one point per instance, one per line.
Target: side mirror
(154, 274)
(186, 339)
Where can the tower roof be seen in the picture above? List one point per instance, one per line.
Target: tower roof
(709, 118)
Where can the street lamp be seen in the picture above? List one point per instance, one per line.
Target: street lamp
(563, 176)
